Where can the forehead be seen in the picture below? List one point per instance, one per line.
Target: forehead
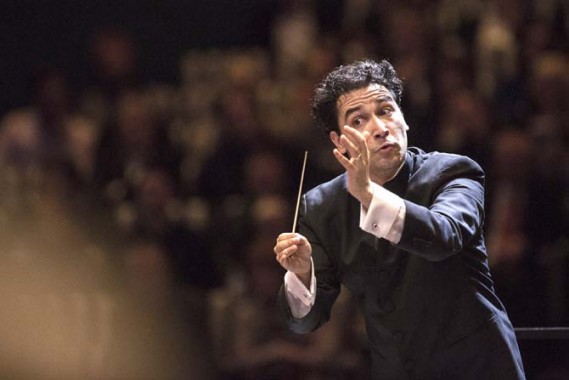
(363, 95)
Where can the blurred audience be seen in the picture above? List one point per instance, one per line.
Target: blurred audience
(251, 341)
(134, 141)
(114, 69)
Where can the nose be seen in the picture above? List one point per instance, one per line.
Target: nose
(378, 129)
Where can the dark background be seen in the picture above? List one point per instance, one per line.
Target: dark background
(38, 34)
(55, 33)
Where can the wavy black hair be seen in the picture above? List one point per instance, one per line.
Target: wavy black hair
(346, 78)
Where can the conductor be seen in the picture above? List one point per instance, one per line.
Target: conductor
(402, 229)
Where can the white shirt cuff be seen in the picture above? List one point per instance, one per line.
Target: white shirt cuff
(386, 215)
(300, 299)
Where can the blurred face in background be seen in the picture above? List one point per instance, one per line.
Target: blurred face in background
(135, 120)
(114, 53)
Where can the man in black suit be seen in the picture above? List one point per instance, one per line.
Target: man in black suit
(403, 231)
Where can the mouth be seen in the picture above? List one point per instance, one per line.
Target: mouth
(386, 146)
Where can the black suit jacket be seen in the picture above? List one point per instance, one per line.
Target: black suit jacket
(428, 301)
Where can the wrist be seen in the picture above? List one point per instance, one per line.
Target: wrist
(305, 278)
(365, 196)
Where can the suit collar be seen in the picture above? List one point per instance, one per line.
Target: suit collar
(398, 185)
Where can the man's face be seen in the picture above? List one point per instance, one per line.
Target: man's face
(375, 114)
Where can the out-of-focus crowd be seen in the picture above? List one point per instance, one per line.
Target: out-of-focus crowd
(138, 219)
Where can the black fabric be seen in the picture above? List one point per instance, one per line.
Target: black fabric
(427, 296)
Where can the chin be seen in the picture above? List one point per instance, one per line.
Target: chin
(391, 163)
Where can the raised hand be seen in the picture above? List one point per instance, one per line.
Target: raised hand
(357, 164)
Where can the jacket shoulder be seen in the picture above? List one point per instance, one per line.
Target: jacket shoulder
(448, 163)
(327, 191)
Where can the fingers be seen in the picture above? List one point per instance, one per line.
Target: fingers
(353, 140)
(348, 143)
(285, 261)
(287, 244)
(294, 262)
(286, 235)
(286, 252)
(355, 144)
(353, 133)
(345, 162)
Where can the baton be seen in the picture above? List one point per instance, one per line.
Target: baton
(299, 191)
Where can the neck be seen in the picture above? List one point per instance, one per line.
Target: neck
(387, 175)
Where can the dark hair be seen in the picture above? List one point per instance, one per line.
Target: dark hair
(346, 78)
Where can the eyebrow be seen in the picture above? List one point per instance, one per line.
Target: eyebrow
(381, 99)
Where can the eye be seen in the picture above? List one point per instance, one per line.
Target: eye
(386, 110)
(358, 122)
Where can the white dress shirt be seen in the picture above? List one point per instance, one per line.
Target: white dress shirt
(384, 219)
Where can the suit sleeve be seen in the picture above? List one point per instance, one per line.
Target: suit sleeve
(454, 215)
(327, 283)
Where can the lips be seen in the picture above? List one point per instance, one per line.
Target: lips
(386, 146)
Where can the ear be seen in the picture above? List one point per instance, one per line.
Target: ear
(336, 140)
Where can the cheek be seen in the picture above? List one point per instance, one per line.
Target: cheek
(400, 129)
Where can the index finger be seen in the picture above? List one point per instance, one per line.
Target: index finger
(353, 134)
(287, 235)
